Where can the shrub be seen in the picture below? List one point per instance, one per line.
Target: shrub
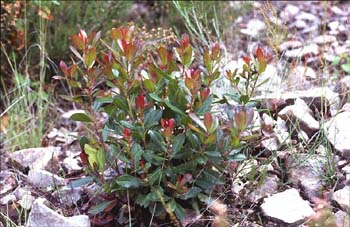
(167, 148)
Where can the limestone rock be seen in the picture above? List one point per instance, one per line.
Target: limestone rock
(342, 219)
(299, 113)
(7, 199)
(320, 98)
(338, 133)
(305, 172)
(8, 182)
(44, 179)
(41, 215)
(342, 197)
(37, 158)
(267, 188)
(68, 196)
(287, 207)
(254, 27)
(324, 39)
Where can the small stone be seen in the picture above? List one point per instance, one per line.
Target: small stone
(338, 133)
(7, 199)
(333, 25)
(306, 72)
(311, 49)
(291, 44)
(300, 24)
(8, 182)
(44, 179)
(37, 158)
(291, 10)
(270, 144)
(342, 197)
(72, 164)
(267, 188)
(342, 219)
(68, 196)
(324, 39)
(287, 207)
(306, 16)
(254, 27)
(41, 215)
(305, 171)
(299, 113)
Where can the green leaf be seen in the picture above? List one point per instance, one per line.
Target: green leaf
(198, 121)
(157, 138)
(152, 118)
(205, 106)
(142, 200)
(149, 85)
(152, 158)
(121, 103)
(101, 159)
(137, 152)
(180, 212)
(92, 153)
(127, 125)
(128, 181)
(336, 60)
(155, 176)
(346, 67)
(90, 57)
(100, 207)
(155, 97)
(193, 192)
(177, 144)
(174, 108)
(115, 73)
(81, 117)
(80, 182)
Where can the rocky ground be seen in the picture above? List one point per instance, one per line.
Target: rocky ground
(298, 171)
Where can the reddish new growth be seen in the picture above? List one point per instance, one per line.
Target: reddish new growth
(167, 126)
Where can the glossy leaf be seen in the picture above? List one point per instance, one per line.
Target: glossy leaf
(81, 117)
(177, 144)
(128, 181)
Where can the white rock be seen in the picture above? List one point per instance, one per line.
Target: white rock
(305, 171)
(300, 114)
(270, 144)
(68, 196)
(291, 44)
(291, 10)
(274, 81)
(8, 182)
(333, 25)
(254, 27)
(42, 216)
(37, 158)
(312, 49)
(287, 206)
(306, 16)
(306, 72)
(72, 164)
(338, 133)
(7, 199)
(342, 197)
(267, 188)
(324, 39)
(44, 179)
(300, 24)
(342, 219)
